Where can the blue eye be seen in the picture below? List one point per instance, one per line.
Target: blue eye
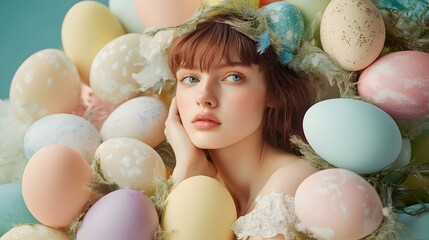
(234, 78)
(189, 79)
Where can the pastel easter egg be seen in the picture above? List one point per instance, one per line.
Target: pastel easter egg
(352, 33)
(404, 157)
(34, 232)
(12, 208)
(287, 22)
(309, 8)
(113, 67)
(348, 207)
(165, 13)
(54, 185)
(416, 226)
(121, 214)
(254, 3)
(141, 118)
(47, 82)
(130, 163)
(352, 134)
(193, 210)
(126, 12)
(67, 129)
(398, 83)
(86, 28)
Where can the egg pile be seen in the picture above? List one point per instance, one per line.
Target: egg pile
(88, 117)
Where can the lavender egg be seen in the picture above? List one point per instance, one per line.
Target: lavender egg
(121, 214)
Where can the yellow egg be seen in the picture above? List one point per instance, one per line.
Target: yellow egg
(352, 33)
(199, 208)
(54, 185)
(130, 163)
(254, 3)
(47, 82)
(34, 232)
(86, 28)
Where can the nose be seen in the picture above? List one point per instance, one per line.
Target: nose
(206, 96)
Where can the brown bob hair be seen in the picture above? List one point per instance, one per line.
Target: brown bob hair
(214, 41)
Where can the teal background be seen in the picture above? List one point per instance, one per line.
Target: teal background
(26, 27)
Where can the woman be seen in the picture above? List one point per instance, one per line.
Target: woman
(234, 112)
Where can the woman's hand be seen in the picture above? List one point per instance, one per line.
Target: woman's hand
(190, 160)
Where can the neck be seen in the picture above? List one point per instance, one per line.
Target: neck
(239, 168)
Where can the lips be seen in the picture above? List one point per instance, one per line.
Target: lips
(205, 121)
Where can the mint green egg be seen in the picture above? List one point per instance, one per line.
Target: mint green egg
(416, 227)
(13, 210)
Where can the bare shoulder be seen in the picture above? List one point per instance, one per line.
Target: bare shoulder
(287, 177)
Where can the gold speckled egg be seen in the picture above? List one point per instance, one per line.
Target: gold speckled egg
(352, 32)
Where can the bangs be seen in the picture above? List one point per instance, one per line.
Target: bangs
(211, 43)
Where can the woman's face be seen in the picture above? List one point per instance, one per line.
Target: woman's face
(223, 106)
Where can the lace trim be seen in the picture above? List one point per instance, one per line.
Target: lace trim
(273, 214)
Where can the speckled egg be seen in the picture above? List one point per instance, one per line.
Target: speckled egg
(130, 163)
(398, 83)
(47, 82)
(113, 67)
(287, 22)
(337, 204)
(352, 32)
(66, 129)
(141, 118)
(34, 232)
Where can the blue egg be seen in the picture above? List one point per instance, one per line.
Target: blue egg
(66, 129)
(416, 227)
(409, 8)
(13, 210)
(287, 22)
(352, 134)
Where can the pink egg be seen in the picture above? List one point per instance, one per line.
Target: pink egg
(338, 204)
(398, 83)
(121, 214)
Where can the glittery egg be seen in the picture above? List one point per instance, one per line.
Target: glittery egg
(141, 118)
(287, 22)
(47, 82)
(34, 232)
(352, 33)
(398, 83)
(54, 185)
(121, 214)
(130, 163)
(338, 204)
(66, 129)
(113, 68)
(199, 207)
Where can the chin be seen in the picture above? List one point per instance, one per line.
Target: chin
(207, 143)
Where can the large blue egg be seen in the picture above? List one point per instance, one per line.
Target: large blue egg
(287, 22)
(13, 210)
(416, 227)
(352, 134)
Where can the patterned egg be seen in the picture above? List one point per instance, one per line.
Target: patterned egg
(352, 33)
(338, 204)
(130, 163)
(47, 82)
(352, 134)
(113, 67)
(398, 83)
(287, 22)
(86, 28)
(66, 129)
(142, 118)
(34, 232)
(121, 214)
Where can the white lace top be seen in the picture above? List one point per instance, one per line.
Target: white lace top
(273, 214)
